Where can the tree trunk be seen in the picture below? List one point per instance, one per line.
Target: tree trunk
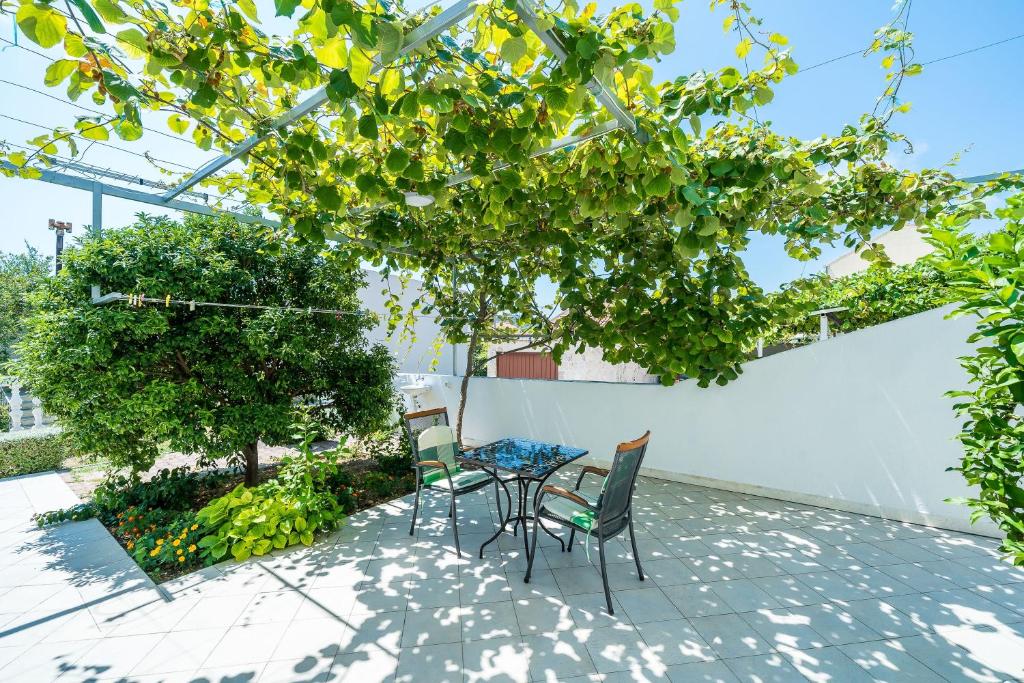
(474, 340)
(464, 389)
(252, 463)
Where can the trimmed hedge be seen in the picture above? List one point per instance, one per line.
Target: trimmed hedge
(36, 450)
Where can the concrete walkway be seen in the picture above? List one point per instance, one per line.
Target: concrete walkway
(739, 588)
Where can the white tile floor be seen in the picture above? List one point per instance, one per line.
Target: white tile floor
(738, 588)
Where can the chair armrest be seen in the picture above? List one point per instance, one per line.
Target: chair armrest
(590, 469)
(565, 493)
(430, 463)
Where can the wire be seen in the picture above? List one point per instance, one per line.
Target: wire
(87, 109)
(139, 299)
(933, 61)
(147, 157)
(974, 49)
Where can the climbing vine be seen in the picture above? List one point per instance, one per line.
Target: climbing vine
(642, 231)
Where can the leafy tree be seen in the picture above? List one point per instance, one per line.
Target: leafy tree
(124, 379)
(872, 297)
(20, 274)
(643, 230)
(987, 277)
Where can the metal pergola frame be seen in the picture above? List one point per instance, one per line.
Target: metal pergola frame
(414, 40)
(552, 38)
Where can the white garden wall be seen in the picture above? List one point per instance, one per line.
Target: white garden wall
(858, 422)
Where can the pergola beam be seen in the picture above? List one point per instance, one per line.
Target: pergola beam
(103, 189)
(414, 40)
(561, 143)
(552, 39)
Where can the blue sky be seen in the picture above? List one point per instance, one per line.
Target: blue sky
(969, 104)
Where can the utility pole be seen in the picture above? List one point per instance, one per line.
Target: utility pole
(59, 227)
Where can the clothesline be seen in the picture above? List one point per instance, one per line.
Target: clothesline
(167, 301)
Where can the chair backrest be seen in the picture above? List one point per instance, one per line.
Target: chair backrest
(437, 443)
(416, 422)
(617, 497)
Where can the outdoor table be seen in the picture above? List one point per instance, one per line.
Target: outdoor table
(529, 461)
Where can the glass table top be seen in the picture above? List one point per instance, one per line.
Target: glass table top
(525, 457)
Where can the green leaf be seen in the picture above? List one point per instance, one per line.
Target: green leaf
(248, 8)
(658, 185)
(300, 523)
(135, 38)
(204, 96)
(368, 128)
(91, 130)
(241, 550)
(285, 8)
(328, 197)
(178, 124)
(389, 40)
(341, 87)
(42, 24)
(110, 11)
(743, 48)
(513, 49)
(359, 65)
(306, 537)
(397, 160)
(58, 71)
(90, 15)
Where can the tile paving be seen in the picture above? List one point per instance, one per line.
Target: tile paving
(739, 588)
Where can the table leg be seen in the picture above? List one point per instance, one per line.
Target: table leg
(504, 522)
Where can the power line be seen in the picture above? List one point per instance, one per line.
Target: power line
(974, 49)
(968, 51)
(87, 109)
(147, 157)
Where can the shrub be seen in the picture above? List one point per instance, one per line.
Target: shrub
(987, 276)
(872, 297)
(30, 451)
(125, 380)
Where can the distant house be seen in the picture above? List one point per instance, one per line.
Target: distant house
(537, 363)
(902, 247)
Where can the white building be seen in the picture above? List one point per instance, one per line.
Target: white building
(902, 246)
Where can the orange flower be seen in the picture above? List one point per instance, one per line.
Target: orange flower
(176, 543)
(159, 541)
(192, 548)
(194, 527)
(181, 559)
(153, 552)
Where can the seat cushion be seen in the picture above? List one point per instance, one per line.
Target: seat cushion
(565, 510)
(461, 479)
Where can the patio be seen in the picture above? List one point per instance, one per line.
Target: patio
(739, 588)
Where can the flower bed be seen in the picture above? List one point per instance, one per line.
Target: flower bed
(183, 519)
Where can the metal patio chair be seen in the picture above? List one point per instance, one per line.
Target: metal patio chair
(434, 450)
(605, 515)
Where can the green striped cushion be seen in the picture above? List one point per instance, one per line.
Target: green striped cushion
(565, 509)
(438, 443)
(461, 479)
